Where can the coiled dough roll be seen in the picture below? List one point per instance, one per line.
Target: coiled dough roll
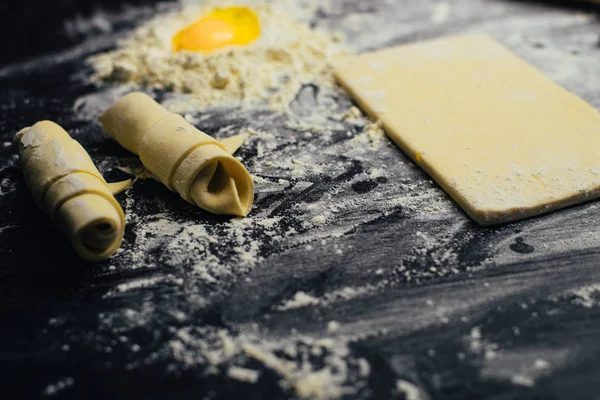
(185, 159)
(68, 187)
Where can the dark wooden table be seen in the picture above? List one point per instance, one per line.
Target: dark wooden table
(353, 261)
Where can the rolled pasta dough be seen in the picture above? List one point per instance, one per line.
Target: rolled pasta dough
(68, 187)
(183, 158)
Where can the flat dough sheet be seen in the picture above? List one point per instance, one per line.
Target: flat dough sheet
(503, 140)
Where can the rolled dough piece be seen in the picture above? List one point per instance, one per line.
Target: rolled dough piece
(68, 187)
(503, 140)
(185, 159)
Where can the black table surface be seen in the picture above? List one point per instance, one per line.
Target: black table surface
(437, 306)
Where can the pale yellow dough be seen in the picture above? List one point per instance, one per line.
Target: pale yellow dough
(185, 159)
(118, 187)
(503, 140)
(68, 187)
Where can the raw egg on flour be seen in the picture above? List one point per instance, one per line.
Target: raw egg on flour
(222, 27)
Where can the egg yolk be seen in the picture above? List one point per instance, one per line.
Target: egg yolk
(222, 27)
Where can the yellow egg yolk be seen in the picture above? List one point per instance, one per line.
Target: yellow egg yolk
(222, 27)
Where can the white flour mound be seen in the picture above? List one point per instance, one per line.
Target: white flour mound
(268, 72)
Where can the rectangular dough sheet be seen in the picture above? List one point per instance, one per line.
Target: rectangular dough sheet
(502, 139)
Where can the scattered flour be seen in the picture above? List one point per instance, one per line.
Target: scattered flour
(103, 21)
(334, 375)
(478, 345)
(6, 186)
(243, 374)
(54, 389)
(136, 169)
(333, 326)
(99, 22)
(522, 380)
(373, 134)
(319, 219)
(432, 256)
(422, 197)
(138, 284)
(542, 364)
(300, 299)
(587, 296)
